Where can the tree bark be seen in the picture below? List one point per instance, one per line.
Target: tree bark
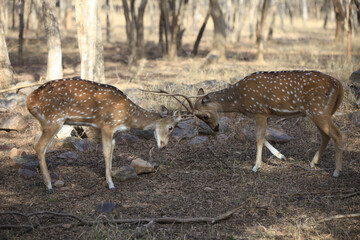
(219, 38)
(54, 60)
(259, 30)
(21, 32)
(90, 40)
(340, 19)
(6, 73)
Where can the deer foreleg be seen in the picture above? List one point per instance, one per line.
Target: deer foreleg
(108, 146)
(260, 137)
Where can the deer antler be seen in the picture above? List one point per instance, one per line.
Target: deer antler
(174, 95)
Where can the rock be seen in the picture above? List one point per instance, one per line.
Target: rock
(224, 124)
(212, 58)
(84, 145)
(68, 155)
(355, 78)
(186, 124)
(6, 146)
(59, 183)
(199, 140)
(33, 165)
(124, 173)
(124, 138)
(355, 118)
(19, 98)
(142, 166)
(24, 159)
(147, 134)
(273, 135)
(14, 122)
(105, 207)
(65, 132)
(26, 173)
(7, 105)
(205, 129)
(188, 132)
(14, 152)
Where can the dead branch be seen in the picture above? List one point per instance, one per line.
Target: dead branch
(81, 221)
(339, 216)
(22, 86)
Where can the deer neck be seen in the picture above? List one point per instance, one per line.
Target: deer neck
(225, 100)
(143, 119)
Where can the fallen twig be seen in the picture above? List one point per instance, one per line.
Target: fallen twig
(81, 221)
(340, 216)
(311, 169)
(22, 86)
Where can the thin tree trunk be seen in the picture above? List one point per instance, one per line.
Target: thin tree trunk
(194, 52)
(349, 29)
(30, 6)
(21, 32)
(340, 19)
(326, 8)
(54, 61)
(219, 39)
(13, 15)
(6, 73)
(259, 30)
(304, 11)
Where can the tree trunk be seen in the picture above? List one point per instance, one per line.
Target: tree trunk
(252, 16)
(6, 73)
(54, 61)
(304, 12)
(135, 29)
(349, 29)
(21, 32)
(194, 52)
(4, 15)
(326, 9)
(340, 19)
(219, 38)
(90, 40)
(259, 30)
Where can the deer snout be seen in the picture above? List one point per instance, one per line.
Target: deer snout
(162, 145)
(216, 128)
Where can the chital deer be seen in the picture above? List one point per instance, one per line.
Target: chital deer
(283, 93)
(82, 102)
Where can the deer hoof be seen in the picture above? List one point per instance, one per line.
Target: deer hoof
(254, 169)
(50, 191)
(336, 174)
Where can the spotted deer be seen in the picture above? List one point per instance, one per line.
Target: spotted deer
(284, 93)
(86, 103)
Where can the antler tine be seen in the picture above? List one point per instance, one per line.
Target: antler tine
(174, 95)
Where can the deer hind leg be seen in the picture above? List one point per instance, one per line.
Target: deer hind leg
(41, 146)
(328, 127)
(324, 142)
(108, 147)
(260, 130)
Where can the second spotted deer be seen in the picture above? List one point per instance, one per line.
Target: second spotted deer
(284, 93)
(82, 102)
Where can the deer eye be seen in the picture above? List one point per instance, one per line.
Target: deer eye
(206, 117)
(170, 128)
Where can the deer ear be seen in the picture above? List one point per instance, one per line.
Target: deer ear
(201, 92)
(205, 99)
(164, 112)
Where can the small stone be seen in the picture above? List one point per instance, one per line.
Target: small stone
(142, 166)
(205, 129)
(188, 132)
(199, 140)
(20, 160)
(208, 189)
(68, 155)
(33, 165)
(147, 134)
(222, 138)
(84, 145)
(124, 173)
(14, 122)
(26, 173)
(59, 183)
(105, 207)
(66, 225)
(273, 135)
(355, 78)
(124, 138)
(14, 152)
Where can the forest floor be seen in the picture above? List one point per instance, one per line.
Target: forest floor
(284, 200)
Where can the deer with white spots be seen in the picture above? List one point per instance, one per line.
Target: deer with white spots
(86, 103)
(285, 93)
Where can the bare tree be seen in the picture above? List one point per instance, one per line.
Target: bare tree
(194, 52)
(340, 19)
(259, 30)
(135, 29)
(219, 38)
(21, 32)
(54, 61)
(6, 73)
(90, 40)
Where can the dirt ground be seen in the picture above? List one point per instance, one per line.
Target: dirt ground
(284, 200)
